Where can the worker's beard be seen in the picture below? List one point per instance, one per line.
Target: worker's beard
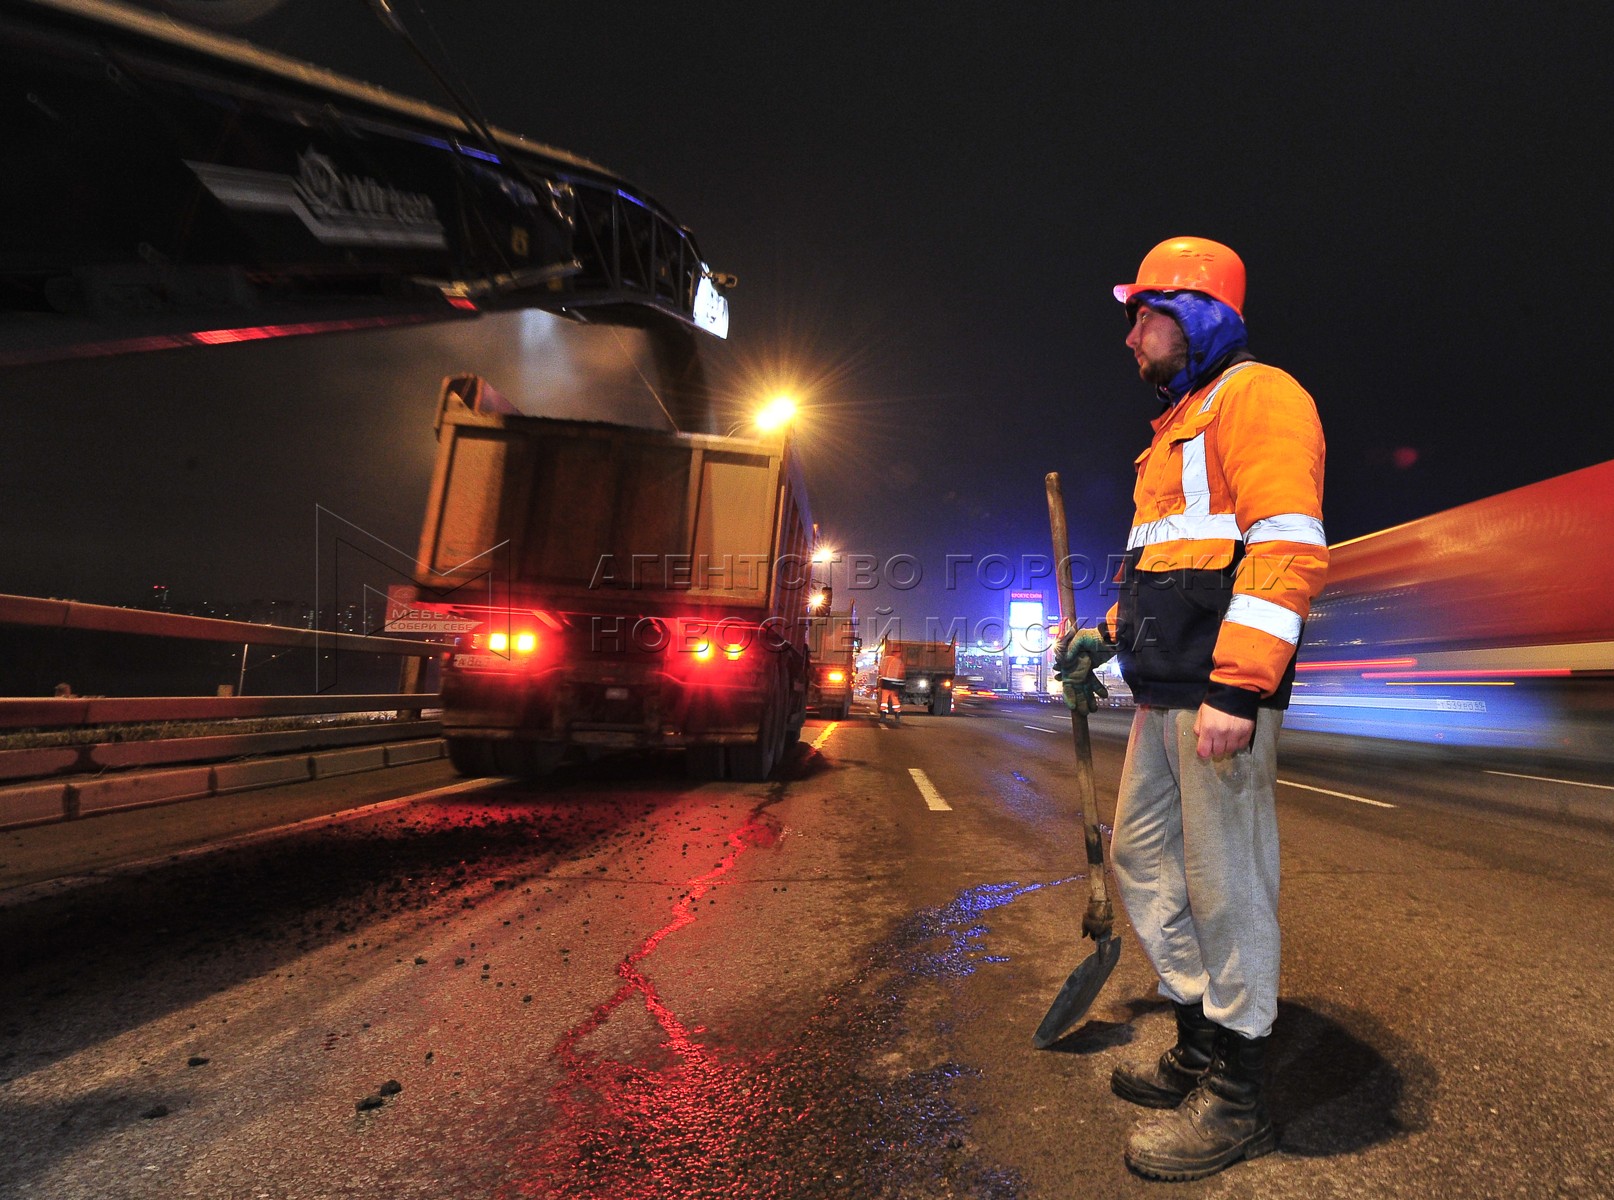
(1158, 372)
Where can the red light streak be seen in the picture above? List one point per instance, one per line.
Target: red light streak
(635, 981)
(212, 337)
(1491, 672)
(593, 1091)
(256, 333)
(1356, 664)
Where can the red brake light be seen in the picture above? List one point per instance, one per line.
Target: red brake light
(523, 642)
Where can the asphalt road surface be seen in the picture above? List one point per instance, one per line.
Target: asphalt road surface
(624, 985)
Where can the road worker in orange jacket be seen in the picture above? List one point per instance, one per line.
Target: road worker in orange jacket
(1225, 554)
(893, 678)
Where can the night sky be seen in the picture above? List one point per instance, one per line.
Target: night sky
(926, 207)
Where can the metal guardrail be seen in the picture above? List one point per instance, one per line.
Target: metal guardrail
(105, 618)
(78, 711)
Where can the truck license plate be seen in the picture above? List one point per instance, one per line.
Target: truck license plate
(616, 693)
(482, 661)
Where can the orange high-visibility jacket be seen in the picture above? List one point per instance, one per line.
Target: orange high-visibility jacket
(892, 666)
(1227, 547)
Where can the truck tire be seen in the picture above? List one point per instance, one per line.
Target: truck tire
(753, 762)
(796, 707)
(845, 710)
(941, 704)
(472, 756)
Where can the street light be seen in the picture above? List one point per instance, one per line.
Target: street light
(772, 417)
(775, 414)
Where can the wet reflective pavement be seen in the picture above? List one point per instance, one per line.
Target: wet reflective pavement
(624, 985)
(819, 1118)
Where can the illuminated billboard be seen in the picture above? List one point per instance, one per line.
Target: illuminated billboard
(1027, 632)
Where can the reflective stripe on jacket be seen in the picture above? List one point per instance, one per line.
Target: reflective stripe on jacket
(1227, 547)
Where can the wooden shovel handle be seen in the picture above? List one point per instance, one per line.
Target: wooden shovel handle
(1099, 909)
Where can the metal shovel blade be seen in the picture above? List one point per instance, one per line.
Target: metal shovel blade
(1079, 992)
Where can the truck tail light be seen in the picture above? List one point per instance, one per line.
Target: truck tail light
(706, 647)
(706, 651)
(835, 677)
(520, 644)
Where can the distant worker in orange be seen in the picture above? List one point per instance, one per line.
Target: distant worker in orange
(1225, 554)
(893, 678)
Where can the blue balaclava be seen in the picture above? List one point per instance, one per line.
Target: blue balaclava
(1214, 332)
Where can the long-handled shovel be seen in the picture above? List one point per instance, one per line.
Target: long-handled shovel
(1082, 988)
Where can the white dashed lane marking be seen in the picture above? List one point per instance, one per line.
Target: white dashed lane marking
(933, 798)
(1548, 779)
(1342, 795)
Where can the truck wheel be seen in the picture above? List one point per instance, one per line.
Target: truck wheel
(472, 756)
(846, 707)
(795, 710)
(754, 762)
(941, 703)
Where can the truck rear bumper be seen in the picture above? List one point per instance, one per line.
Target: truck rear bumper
(830, 699)
(623, 713)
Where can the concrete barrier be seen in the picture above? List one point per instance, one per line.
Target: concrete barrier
(261, 772)
(348, 762)
(137, 788)
(174, 751)
(402, 753)
(38, 763)
(33, 804)
(46, 802)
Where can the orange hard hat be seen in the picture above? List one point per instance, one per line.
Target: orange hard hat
(1190, 264)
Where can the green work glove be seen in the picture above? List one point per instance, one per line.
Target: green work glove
(1075, 656)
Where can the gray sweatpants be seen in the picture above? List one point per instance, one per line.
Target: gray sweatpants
(1195, 853)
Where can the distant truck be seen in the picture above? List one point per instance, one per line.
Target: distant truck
(609, 587)
(929, 683)
(833, 644)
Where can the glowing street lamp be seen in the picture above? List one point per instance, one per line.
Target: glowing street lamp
(775, 414)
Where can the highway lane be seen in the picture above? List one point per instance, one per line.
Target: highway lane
(630, 985)
(1440, 1030)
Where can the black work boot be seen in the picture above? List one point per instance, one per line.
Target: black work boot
(1163, 1084)
(1223, 1120)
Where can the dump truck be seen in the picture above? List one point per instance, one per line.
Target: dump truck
(833, 643)
(610, 587)
(929, 683)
